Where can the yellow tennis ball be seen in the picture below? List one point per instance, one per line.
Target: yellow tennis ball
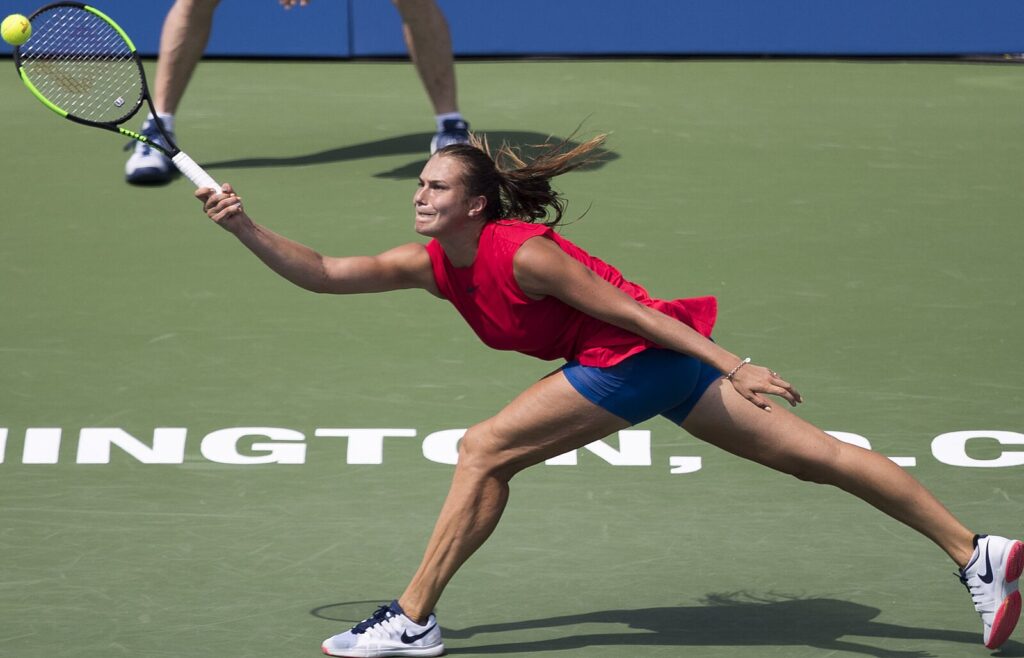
(16, 29)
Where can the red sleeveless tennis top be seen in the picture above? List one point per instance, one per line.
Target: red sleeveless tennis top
(505, 318)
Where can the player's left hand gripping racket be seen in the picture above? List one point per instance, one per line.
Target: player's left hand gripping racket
(83, 66)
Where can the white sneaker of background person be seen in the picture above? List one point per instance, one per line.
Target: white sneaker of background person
(992, 578)
(146, 165)
(451, 129)
(389, 632)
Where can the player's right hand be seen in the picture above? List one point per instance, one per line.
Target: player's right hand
(225, 207)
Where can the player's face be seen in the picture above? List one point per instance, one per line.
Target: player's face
(441, 203)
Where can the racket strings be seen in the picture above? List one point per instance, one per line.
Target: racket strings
(82, 65)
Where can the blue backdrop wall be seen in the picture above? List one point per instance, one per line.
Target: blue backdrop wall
(371, 28)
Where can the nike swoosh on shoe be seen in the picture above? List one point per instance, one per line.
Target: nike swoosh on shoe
(409, 639)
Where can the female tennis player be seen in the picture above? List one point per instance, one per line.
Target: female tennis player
(493, 254)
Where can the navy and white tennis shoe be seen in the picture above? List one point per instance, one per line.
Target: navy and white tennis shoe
(148, 166)
(389, 632)
(992, 578)
(453, 131)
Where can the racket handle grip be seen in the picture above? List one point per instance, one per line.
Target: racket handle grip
(194, 172)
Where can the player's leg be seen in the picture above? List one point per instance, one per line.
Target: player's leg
(787, 443)
(546, 420)
(430, 47)
(183, 39)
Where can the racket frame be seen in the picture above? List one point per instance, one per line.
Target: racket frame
(181, 160)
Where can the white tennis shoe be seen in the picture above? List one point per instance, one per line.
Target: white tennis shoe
(991, 577)
(146, 165)
(389, 632)
(453, 131)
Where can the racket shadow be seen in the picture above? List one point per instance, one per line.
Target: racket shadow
(414, 144)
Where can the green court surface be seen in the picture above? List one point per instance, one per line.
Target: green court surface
(860, 223)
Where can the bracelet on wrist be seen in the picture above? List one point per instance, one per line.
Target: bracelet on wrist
(732, 372)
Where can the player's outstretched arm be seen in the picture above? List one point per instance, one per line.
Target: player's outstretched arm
(406, 266)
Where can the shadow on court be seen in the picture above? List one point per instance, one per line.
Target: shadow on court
(734, 619)
(412, 144)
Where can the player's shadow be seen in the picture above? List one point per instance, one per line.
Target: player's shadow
(734, 619)
(414, 145)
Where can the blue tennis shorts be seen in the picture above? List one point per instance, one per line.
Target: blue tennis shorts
(649, 383)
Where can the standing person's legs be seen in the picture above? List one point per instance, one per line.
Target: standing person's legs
(184, 37)
(185, 33)
(430, 47)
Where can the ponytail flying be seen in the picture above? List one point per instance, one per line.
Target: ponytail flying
(518, 188)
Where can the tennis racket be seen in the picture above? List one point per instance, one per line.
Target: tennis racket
(83, 66)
